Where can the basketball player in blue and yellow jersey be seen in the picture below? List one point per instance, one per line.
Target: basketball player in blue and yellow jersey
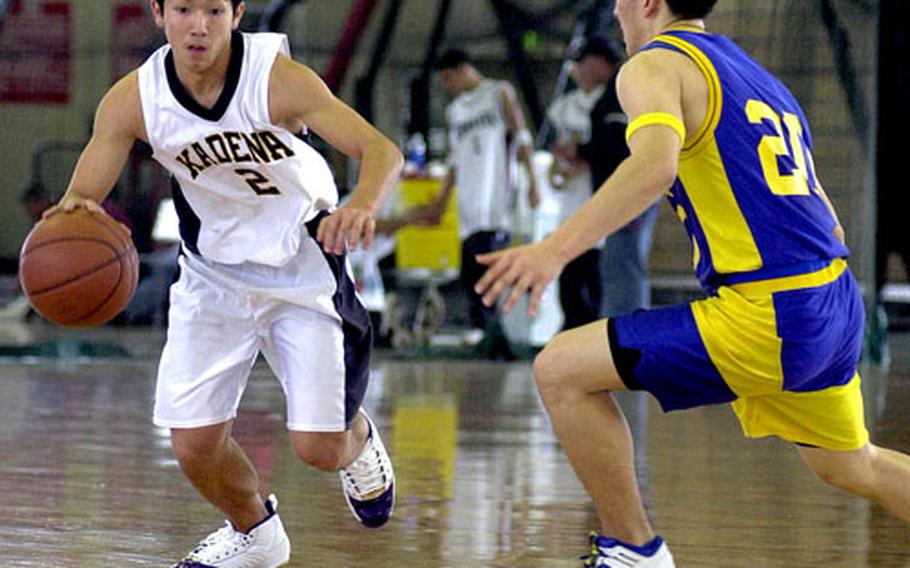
(779, 334)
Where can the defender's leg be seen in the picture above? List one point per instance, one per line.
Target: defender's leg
(876, 473)
(575, 373)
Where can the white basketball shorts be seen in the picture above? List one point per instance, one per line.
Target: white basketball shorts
(304, 317)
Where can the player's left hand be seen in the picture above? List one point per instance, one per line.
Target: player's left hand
(351, 226)
(527, 268)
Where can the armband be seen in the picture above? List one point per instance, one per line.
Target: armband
(652, 118)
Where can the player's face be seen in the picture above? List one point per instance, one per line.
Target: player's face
(453, 80)
(631, 17)
(199, 31)
(592, 70)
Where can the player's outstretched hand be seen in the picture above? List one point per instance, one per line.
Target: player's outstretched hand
(351, 226)
(527, 268)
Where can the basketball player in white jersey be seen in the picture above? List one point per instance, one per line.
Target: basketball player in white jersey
(263, 265)
(482, 119)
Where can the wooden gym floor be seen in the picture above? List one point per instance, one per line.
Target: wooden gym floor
(87, 481)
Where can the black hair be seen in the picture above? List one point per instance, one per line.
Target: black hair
(451, 59)
(234, 4)
(691, 9)
(601, 46)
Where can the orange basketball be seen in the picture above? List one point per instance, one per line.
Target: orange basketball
(79, 269)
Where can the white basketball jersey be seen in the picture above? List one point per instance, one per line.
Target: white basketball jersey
(480, 155)
(244, 187)
(570, 116)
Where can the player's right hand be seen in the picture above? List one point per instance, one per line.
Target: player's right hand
(514, 271)
(69, 203)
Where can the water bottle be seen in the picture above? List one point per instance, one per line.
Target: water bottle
(416, 152)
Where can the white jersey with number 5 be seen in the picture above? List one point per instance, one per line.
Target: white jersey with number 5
(480, 155)
(244, 186)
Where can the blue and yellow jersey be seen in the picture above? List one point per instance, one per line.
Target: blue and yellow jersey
(747, 192)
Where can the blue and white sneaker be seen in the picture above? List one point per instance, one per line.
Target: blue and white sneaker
(369, 482)
(611, 553)
(266, 545)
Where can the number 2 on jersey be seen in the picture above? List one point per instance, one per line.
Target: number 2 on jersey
(260, 184)
(774, 146)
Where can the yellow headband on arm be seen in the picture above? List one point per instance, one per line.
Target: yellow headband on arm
(652, 118)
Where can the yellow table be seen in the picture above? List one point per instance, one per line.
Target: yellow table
(435, 248)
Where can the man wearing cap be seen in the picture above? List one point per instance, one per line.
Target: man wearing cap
(570, 116)
(624, 256)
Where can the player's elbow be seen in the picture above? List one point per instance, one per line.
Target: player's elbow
(393, 156)
(662, 174)
(397, 158)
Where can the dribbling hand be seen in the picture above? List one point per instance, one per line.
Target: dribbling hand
(70, 203)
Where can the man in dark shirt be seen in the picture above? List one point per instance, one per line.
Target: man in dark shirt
(624, 257)
(599, 59)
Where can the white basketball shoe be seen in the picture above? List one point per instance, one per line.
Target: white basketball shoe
(266, 545)
(611, 553)
(369, 482)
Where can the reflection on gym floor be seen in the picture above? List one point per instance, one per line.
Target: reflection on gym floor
(87, 481)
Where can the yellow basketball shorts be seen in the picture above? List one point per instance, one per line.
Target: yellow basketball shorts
(782, 351)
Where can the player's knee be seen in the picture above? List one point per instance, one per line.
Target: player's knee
(550, 370)
(194, 447)
(324, 451)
